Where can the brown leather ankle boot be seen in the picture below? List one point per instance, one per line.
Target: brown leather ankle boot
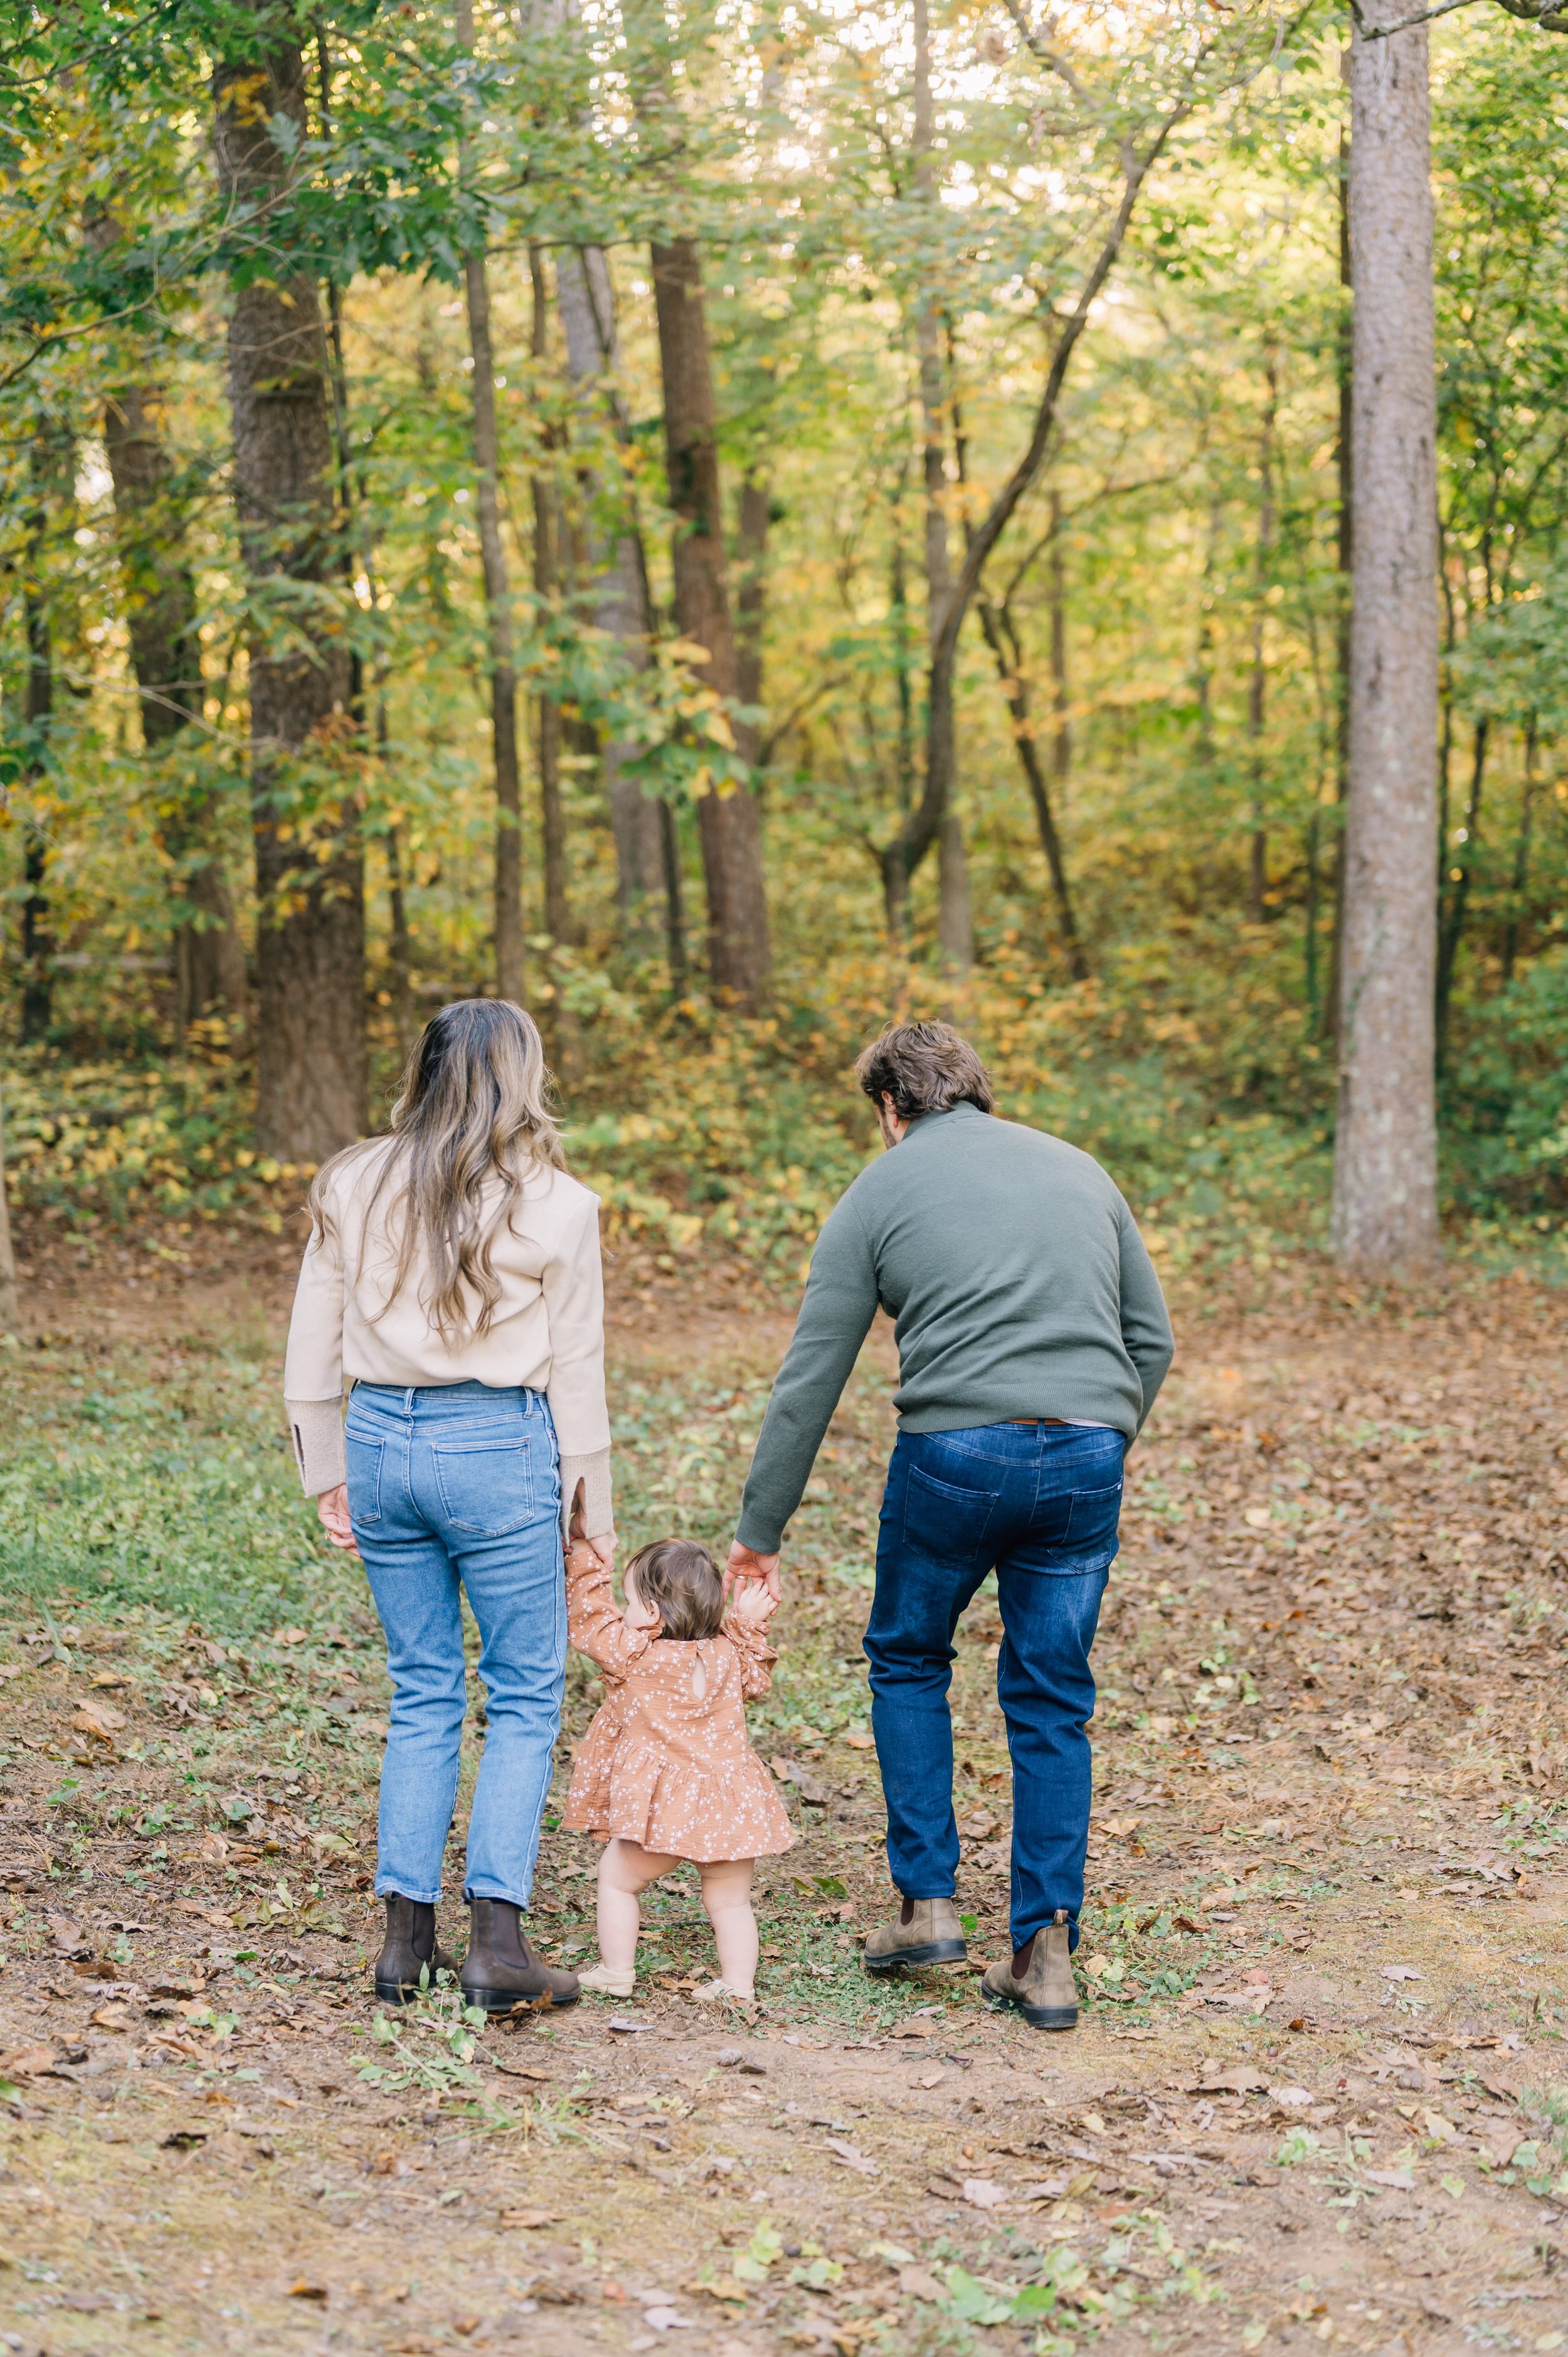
(500, 1971)
(1037, 1978)
(410, 1948)
(928, 1932)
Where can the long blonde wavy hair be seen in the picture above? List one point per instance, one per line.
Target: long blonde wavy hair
(473, 1106)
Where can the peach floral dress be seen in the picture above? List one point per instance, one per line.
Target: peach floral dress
(666, 1762)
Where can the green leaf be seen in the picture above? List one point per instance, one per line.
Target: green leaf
(974, 2302)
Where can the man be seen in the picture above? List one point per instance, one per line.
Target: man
(1032, 1340)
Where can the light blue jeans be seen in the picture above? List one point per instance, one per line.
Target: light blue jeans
(449, 1486)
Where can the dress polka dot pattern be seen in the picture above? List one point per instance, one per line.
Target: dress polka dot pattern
(666, 1762)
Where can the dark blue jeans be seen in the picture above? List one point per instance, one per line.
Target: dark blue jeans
(1038, 1504)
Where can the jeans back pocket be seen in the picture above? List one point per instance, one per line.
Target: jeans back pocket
(364, 1463)
(486, 1485)
(1091, 1523)
(945, 1520)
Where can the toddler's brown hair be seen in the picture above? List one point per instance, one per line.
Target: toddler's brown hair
(683, 1581)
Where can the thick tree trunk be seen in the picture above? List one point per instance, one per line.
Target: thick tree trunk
(955, 930)
(728, 825)
(310, 925)
(159, 590)
(584, 300)
(1385, 1171)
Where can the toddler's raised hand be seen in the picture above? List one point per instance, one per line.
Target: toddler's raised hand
(753, 1603)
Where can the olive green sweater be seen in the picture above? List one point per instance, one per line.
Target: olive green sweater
(1018, 1283)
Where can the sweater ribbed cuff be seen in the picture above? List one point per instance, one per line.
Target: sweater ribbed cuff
(756, 1532)
(593, 1473)
(317, 1426)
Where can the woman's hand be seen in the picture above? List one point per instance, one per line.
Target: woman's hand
(602, 1547)
(744, 1564)
(332, 1505)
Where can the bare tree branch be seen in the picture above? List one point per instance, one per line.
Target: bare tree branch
(1550, 15)
(919, 830)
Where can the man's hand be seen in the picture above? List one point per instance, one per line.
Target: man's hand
(332, 1505)
(746, 1564)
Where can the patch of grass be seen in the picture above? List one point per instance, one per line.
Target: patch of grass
(179, 1499)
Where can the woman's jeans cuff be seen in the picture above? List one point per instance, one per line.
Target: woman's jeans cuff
(508, 1898)
(388, 1888)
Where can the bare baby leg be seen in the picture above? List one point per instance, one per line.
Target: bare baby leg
(626, 1870)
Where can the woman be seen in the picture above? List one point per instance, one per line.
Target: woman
(453, 1278)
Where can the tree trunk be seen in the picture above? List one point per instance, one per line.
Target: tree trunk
(401, 951)
(1257, 684)
(310, 924)
(955, 936)
(546, 581)
(751, 602)
(10, 1305)
(585, 302)
(1346, 538)
(1203, 655)
(1449, 931)
(955, 933)
(1001, 637)
(37, 934)
(1520, 853)
(728, 823)
(1061, 741)
(1385, 1172)
(509, 918)
(159, 590)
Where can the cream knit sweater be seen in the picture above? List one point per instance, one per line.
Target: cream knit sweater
(547, 1333)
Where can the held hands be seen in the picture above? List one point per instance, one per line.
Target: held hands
(583, 1554)
(744, 1565)
(332, 1507)
(754, 1604)
(602, 1549)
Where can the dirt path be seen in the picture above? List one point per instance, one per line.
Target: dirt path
(1316, 2094)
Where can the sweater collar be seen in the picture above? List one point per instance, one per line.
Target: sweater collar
(930, 1121)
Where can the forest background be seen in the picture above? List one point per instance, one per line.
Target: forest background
(483, 497)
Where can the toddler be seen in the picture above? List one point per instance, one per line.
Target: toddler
(665, 1773)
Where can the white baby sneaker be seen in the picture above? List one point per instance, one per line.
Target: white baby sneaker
(605, 1983)
(721, 1992)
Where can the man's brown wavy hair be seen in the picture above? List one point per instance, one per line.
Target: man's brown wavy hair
(924, 1067)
